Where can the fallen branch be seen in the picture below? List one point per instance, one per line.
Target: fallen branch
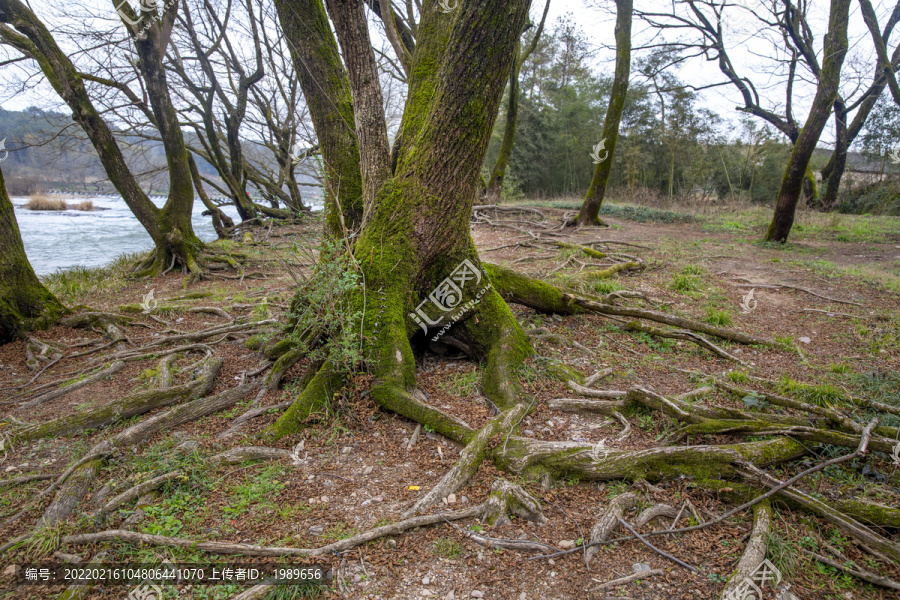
(137, 491)
(625, 580)
(878, 580)
(657, 550)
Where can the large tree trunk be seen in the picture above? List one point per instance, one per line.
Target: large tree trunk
(415, 252)
(589, 213)
(25, 303)
(794, 176)
(169, 227)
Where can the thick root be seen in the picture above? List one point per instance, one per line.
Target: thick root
(315, 396)
(755, 552)
(609, 521)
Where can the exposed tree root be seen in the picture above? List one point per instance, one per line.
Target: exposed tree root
(136, 492)
(683, 335)
(123, 408)
(108, 372)
(239, 455)
(609, 521)
(70, 493)
(754, 551)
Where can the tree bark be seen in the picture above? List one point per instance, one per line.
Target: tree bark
(416, 244)
(326, 87)
(495, 185)
(25, 303)
(169, 227)
(590, 209)
(792, 183)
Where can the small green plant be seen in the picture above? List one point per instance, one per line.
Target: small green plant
(721, 318)
(685, 283)
(754, 400)
(781, 553)
(606, 286)
(323, 320)
(824, 394)
(447, 548)
(461, 384)
(785, 342)
(840, 368)
(738, 377)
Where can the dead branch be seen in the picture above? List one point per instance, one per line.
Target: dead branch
(239, 455)
(591, 393)
(878, 580)
(657, 550)
(137, 491)
(625, 580)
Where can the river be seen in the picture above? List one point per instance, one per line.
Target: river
(64, 239)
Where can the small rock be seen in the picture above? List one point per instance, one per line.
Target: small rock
(357, 578)
(391, 543)
(528, 432)
(316, 530)
(324, 499)
(427, 592)
(426, 580)
(347, 450)
(477, 594)
(450, 596)
(639, 567)
(804, 340)
(451, 499)
(566, 544)
(10, 570)
(368, 470)
(523, 596)
(464, 500)
(552, 562)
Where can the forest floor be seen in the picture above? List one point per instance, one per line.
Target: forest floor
(829, 299)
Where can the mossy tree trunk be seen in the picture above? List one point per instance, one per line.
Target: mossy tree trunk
(169, 227)
(326, 88)
(25, 303)
(495, 184)
(795, 173)
(593, 200)
(415, 252)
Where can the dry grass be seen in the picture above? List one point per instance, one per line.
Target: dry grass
(55, 202)
(45, 202)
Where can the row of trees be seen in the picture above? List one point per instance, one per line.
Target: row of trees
(221, 71)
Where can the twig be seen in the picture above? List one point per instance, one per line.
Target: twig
(624, 580)
(858, 573)
(655, 549)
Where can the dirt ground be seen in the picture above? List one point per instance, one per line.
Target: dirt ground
(831, 305)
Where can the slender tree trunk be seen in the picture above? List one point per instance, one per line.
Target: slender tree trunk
(25, 303)
(326, 87)
(792, 183)
(169, 227)
(590, 210)
(220, 220)
(495, 185)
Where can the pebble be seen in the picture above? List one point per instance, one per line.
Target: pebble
(426, 580)
(368, 470)
(528, 432)
(523, 596)
(639, 567)
(451, 499)
(552, 562)
(391, 543)
(477, 594)
(357, 578)
(324, 499)
(566, 544)
(316, 530)
(464, 500)
(347, 450)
